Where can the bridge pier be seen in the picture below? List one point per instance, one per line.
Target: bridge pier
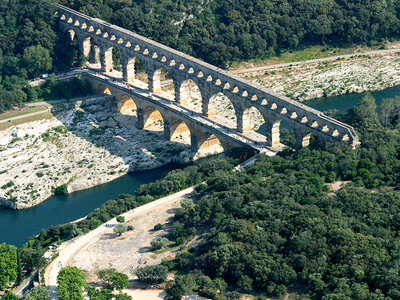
(154, 78)
(84, 45)
(128, 68)
(106, 58)
(243, 119)
(273, 132)
(302, 138)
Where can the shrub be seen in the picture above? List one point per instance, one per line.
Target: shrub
(152, 274)
(120, 229)
(120, 219)
(158, 226)
(158, 243)
(61, 190)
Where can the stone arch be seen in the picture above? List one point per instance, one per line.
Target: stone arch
(188, 94)
(160, 82)
(141, 71)
(102, 89)
(94, 54)
(127, 106)
(252, 119)
(221, 106)
(179, 131)
(207, 145)
(150, 118)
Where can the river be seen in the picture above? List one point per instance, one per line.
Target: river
(17, 225)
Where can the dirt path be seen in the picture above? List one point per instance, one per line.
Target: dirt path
(69, 249)
(317, 60)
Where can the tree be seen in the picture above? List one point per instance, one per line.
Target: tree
(119, 229)
(122, 296)
(10, 296)
(120, 219)
(151, 274)
(158, 243)
(36, 60)
(119, 281)
(8, 265)
(105, 275)
(37, 293)
(70, 281)
(32, 258)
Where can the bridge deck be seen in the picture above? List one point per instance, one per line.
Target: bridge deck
(219, 126)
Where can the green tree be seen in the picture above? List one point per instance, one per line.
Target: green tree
(32, 258)
(105, 275)
(71, 282)
(8, 265)
(37, 293)
(119, 281)
(36, 60)
(119, 229)
(9, 296)
(159, 242)
(151, 274)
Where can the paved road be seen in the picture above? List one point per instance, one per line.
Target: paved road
(297, 63)
(70, 248)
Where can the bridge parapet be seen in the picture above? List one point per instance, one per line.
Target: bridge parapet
(210, 79)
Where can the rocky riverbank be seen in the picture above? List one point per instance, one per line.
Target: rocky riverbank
(84, 145)
(356, 74)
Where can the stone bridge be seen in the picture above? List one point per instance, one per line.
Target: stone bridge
(210, 80)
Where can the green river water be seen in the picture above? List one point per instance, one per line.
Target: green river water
(16, 226)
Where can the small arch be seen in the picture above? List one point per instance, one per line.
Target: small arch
(274, 106)
(120, 41)
(304, 120)
(98, 32)
(91, 28)
(181, 67)
(137, 48)
(218, 82)
(293, 115)
(84, 26)
(314, 124)
(146, 51)
(200, 74)
(283, 111)
(209, 78)
(128, 44)
(63, 17)
(325, 128)
(163, 59)
(227, 86)
(105, 35)
(254, 98)
(70, 20)
(77, 23)
(113, 38)
(264, 102)
(335, 133)
(345, 138)
(191, 70)
(235, 90)
(155, 55)
(172, 63)
(245, 94)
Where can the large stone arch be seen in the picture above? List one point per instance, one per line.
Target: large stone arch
(161, 82)
(126, 105)
(150, 118)
(221, 106)
(177, 130)
(188, 94)
(205, 143)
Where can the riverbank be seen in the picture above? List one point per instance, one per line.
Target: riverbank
(313, 80)
(84, 144)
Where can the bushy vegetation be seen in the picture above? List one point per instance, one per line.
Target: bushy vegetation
(277, 225)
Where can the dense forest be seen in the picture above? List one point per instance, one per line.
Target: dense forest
(277, 227)
(218, 32)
